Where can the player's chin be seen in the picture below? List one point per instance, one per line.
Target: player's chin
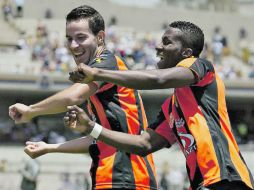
(161, 64)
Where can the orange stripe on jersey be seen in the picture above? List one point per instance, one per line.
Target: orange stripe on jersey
(131, 112)
(145, 123)
(225, 126)
(120, 64)
(104, 173)
(130, 109)
(132, 117)
(206, 157)
(140, 172)
(186, 62)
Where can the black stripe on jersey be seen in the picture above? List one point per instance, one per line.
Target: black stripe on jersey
(152, 180)
(194, 183)
(106, 60)
(122, 175)
(202, 66)
(209, 105)
(94, 153)
(114, 113)
(160, 117)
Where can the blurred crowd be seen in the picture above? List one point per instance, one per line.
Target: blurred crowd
(47, 49)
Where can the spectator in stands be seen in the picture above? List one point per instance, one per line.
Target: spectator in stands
(113, 21)
(251, 74)
(244, 45)
(6, 9)
(30, 172)
(19, 7)
(164, 184)
(217, 46)
(243, 132)
(195, 116)
(66, 183)
(48, 13)
(3, 165)
(87, 185)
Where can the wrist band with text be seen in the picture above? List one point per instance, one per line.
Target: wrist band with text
(95, 133)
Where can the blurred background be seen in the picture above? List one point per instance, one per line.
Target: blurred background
(34, 64)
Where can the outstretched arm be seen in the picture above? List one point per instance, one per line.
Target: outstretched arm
(76, 94)
(146, 143)
(36, 149)
(140, 79)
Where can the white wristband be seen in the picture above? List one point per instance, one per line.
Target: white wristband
(95, 133)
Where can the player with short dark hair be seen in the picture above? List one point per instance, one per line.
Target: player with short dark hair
(195, 116)
(115, 107)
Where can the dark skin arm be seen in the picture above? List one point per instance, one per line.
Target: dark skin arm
(142, 79)
(149, 141)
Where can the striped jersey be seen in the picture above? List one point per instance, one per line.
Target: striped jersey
(196, 117)
(119, 109)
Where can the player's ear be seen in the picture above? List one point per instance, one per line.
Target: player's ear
(101, 37)
(187, 52)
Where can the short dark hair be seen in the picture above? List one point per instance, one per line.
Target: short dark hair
(193, 36)
(95, 20)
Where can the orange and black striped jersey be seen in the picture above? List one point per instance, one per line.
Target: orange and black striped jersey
(196, 117)
(119, 109)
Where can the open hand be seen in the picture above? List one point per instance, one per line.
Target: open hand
(35, 149)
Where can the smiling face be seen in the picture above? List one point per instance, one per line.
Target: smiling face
(171, 49)
(81, 42)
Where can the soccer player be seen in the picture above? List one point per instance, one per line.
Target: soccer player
(195, 116)
(115, 107)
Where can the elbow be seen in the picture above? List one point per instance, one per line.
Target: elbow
(162, 82)
(74, 100)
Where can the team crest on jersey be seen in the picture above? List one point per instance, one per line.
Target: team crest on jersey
(179, 123)
(187, 140)
(98, 60)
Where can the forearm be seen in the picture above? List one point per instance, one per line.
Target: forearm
(131, 79)
(80, 145)
(148, 79)
(135, 144)
(74, 95)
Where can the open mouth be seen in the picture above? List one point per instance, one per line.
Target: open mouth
(78, 55)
